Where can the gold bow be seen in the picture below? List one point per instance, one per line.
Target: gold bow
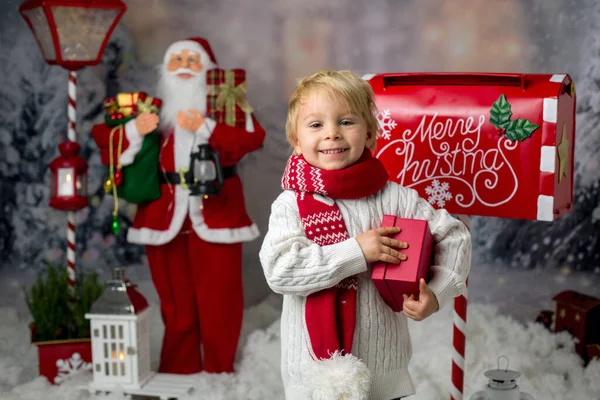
(230, 95)
(111, 108)
(146, 106)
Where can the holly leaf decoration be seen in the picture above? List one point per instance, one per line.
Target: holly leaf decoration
(520, 129)
(500, 113)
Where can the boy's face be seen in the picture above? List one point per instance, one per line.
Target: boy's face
(328, 135)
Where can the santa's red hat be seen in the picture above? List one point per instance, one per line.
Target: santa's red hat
(197, 45)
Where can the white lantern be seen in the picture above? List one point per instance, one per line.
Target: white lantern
(120, 337)
(502, 385)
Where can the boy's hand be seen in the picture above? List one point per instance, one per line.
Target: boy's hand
(422, 308)
(376, 246)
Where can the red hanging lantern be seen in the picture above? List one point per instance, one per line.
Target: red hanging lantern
(72, 33)
(68, 183)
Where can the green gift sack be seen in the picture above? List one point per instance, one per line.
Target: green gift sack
(139, 180)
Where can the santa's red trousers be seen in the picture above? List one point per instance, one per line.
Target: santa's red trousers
(201, 299)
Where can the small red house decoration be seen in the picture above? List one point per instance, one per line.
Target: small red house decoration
(579, 314)
(593, 351)
(68, 183)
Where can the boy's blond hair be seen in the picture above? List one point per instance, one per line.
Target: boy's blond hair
(356, 92)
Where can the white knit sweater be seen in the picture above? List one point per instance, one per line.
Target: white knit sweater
(297, 267)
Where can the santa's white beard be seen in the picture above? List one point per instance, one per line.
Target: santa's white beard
(180, 95)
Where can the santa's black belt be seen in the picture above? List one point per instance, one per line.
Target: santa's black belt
(174, 178)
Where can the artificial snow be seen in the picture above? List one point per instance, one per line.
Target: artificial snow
(550, 368)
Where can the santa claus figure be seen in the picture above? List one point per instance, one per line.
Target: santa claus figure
(193, 243)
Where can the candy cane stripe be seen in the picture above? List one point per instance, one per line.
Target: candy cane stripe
(455, 394)
(459, 322)
(71, 111)
(72, 136)
(459, 340)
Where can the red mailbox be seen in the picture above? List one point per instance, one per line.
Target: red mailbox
(497, 145)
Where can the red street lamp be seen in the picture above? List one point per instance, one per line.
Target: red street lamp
(72, 34)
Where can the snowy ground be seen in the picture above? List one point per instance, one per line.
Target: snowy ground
(551, 370)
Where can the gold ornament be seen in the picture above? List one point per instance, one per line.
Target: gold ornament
(108, 184)
(563, 154)
(111, 108)
(146, 106)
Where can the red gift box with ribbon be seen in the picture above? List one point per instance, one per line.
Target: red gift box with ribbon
(394, 280)
(488, 144)
(226, 99)
(125, 106)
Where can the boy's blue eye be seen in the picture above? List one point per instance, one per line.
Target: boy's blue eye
(315, 125)
(346, 122)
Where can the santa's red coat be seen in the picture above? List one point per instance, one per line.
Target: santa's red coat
(217, 219)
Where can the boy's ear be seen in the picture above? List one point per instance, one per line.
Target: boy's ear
(297, 149)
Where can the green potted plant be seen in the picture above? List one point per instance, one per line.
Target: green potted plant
(59, 328)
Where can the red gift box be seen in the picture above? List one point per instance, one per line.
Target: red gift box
(226, 99)
(394, 280)
(499, 145)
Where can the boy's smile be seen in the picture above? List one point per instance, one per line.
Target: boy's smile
(329, 136)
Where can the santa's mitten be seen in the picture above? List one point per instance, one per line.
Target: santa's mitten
(341, 377)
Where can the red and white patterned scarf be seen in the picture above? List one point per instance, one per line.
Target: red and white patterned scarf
(330, 314)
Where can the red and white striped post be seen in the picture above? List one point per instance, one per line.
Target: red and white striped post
(459, 339)
(45, 19)
(72, 136)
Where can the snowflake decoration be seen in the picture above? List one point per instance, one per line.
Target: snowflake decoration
(71, 367)
(438, 193)
(386, 124)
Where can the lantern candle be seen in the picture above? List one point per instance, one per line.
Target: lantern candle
(65, 180)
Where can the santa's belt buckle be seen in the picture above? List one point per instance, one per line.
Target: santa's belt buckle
(182, 183)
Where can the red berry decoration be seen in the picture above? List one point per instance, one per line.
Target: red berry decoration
(118, 177)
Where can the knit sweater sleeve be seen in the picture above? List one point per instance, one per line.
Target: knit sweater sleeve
(452, 247)
(295, 265)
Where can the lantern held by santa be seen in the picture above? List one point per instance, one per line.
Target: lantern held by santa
(120, 336)
(207, 175)
(502, 385)
(68, 183)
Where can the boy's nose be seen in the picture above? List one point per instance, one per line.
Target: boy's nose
(333, 133)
